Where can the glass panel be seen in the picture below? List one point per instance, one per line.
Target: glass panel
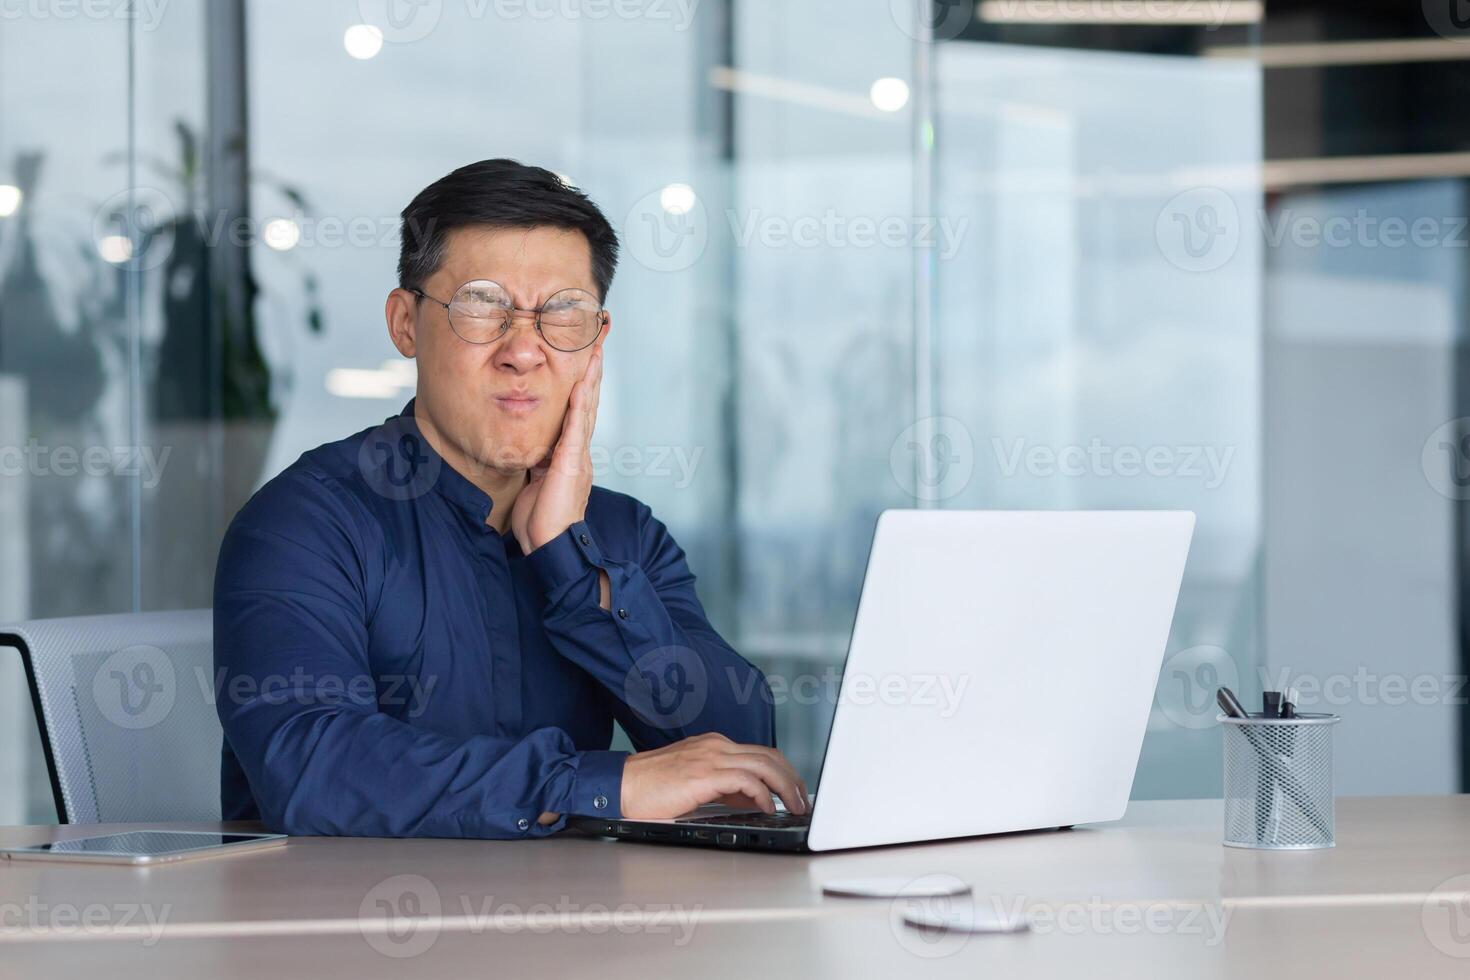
(1099, 328)
(180, 308)
(820, 229)
(66, 445)
(1365, 308)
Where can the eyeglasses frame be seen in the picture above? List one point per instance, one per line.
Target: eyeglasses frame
(511, 313)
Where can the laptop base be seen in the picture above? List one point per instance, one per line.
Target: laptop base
(710, 833)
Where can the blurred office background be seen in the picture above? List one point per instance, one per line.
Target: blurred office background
(1204, 254)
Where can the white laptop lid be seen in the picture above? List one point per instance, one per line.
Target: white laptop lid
(1000, 674)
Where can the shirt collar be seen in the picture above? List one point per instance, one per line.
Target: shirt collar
(449, 482)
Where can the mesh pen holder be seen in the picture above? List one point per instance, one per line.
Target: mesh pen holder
(1278, 782)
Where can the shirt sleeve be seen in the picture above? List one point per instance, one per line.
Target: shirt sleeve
(298, 700)
(669, 673)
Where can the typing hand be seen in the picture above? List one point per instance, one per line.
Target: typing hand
(673, 780)
(555, 495)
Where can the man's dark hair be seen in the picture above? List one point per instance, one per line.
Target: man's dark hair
(499, 194)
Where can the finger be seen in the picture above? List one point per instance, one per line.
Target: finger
(590, 395)
(787, 772)
(571, 455)
(592, 373)
(783, 784)
(728, 782)
(774, 755)
(738, 801)
(596, 392)
(575, 435)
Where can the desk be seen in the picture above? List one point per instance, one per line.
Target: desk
(1299, 942)
(1400, 866)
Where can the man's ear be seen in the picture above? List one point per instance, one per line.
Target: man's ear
(606, 328)
(401, 312)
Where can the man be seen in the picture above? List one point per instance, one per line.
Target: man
(429, 628)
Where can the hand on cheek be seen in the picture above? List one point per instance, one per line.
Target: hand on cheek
(556, 492)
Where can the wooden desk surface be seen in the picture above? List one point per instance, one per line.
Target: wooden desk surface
(1392, 852)
(1394, 940)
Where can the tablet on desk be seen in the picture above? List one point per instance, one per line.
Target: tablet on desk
(143, 847)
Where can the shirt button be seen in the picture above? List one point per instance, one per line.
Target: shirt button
(523, 824)
(622, 613)
(584, 539)
(599, 802)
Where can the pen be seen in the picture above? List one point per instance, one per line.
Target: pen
(1229, 703)
(1232, 707)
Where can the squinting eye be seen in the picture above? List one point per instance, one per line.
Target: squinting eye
(477, 309)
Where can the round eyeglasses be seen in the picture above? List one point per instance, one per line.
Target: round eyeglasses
(481, 310)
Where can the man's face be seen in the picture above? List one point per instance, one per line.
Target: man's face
(500, 405)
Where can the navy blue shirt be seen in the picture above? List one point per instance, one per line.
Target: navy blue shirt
(390, 665)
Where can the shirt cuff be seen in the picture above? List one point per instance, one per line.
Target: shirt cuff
(566, 558)
(598, 788)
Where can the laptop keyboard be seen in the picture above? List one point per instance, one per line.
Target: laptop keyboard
(770, 821)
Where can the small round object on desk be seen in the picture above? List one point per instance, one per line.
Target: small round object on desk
(963, 917)
(896, 886)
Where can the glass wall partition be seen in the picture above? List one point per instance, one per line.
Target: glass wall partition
(883, 254)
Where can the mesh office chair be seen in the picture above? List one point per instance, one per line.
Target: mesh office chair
(125, 705)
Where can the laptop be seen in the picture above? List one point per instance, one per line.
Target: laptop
(999, 678)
